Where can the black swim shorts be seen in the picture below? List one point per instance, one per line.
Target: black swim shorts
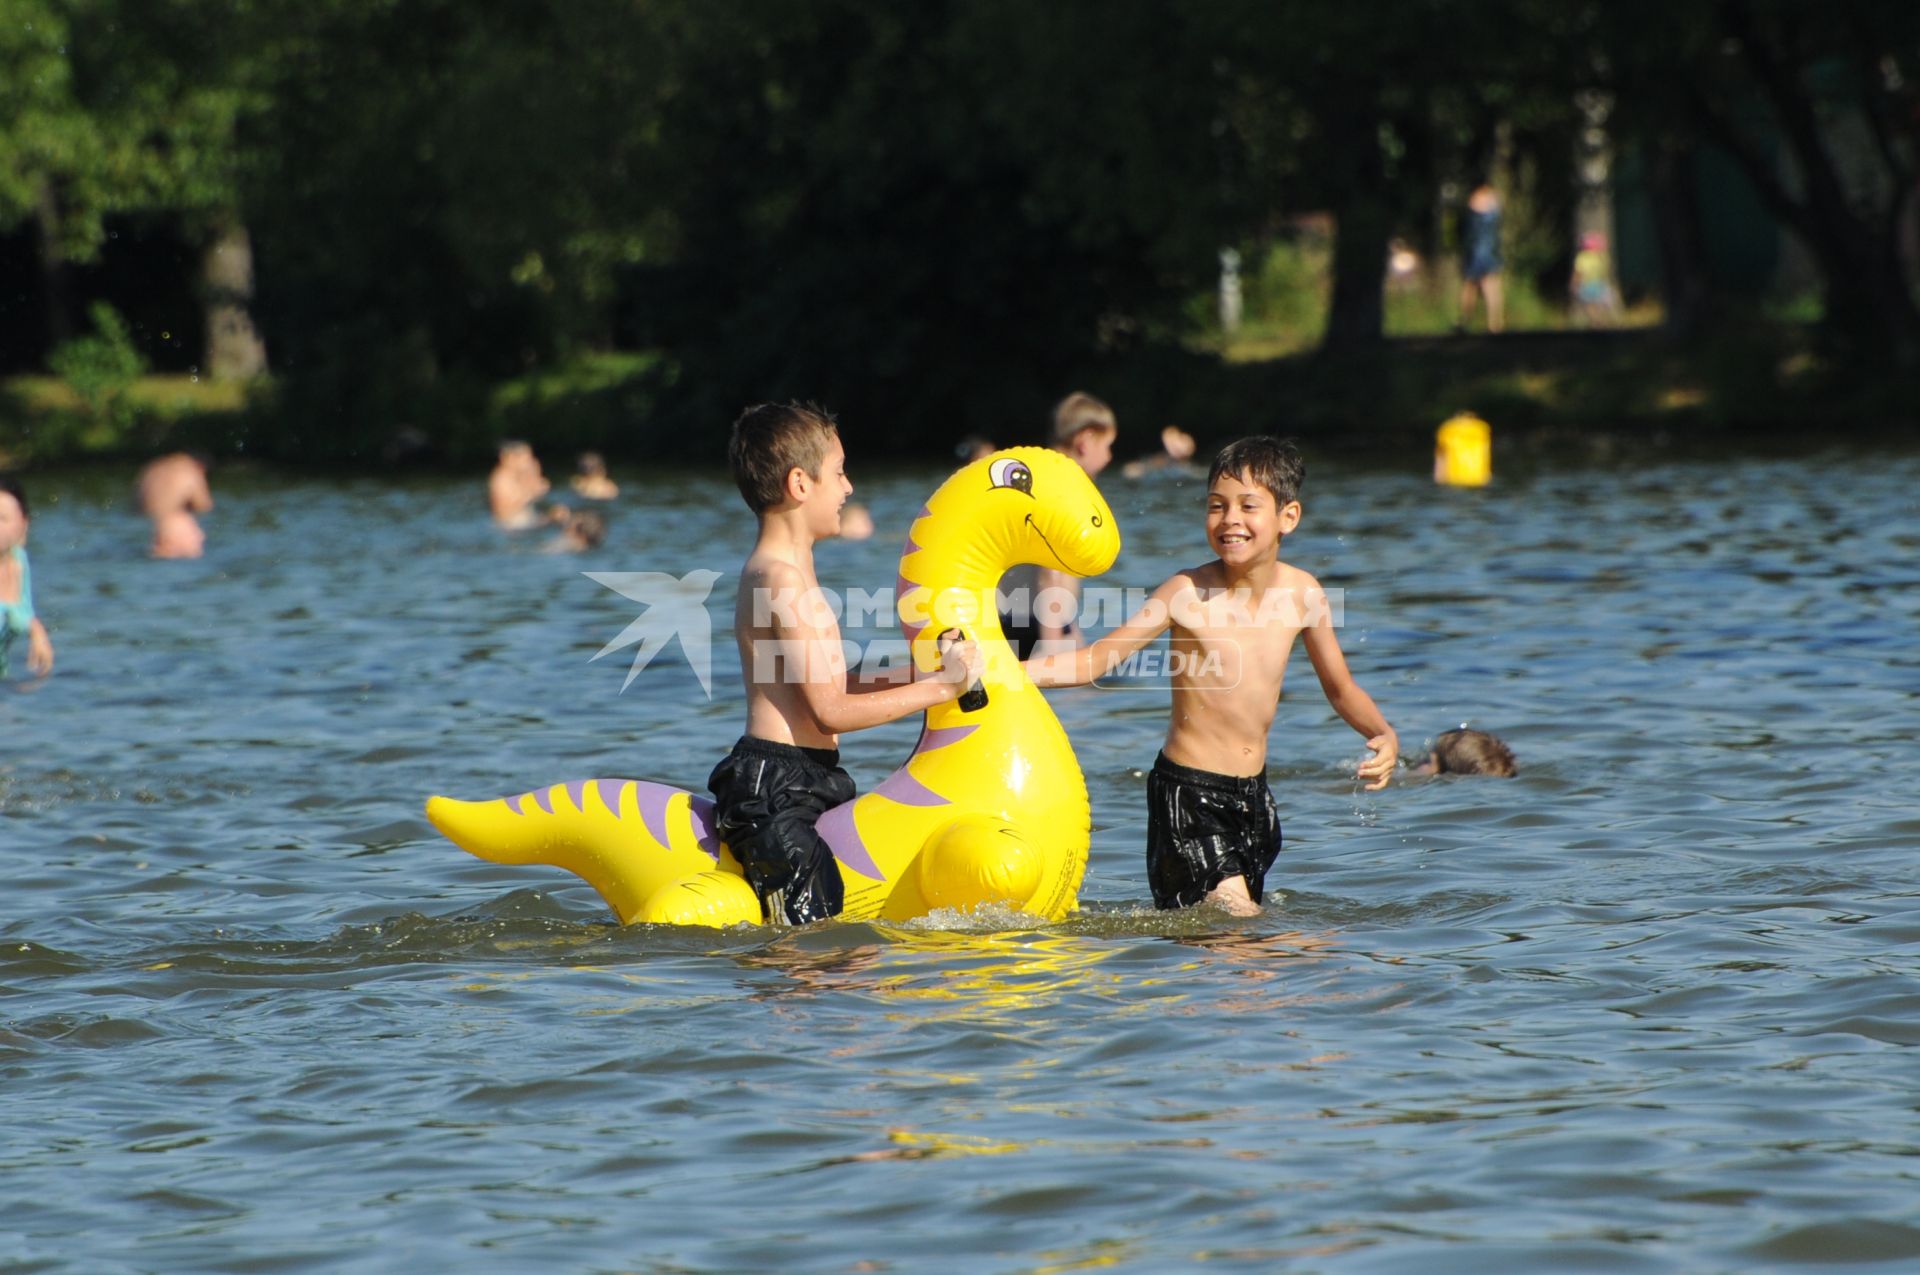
(1203, 828)
(767, 798)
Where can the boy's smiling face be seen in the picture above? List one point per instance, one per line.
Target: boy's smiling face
(1244, 523)
(827, 491)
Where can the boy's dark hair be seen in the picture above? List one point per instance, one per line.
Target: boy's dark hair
(1472, 752)
(11, 486)
(1264, 461)
(590, 463)
(770, 439)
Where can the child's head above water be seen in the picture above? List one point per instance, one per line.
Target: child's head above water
(1085, 428)
(587, 528)
(1469, 752)
(770, 441)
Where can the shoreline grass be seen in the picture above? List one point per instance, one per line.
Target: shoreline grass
(1761, 383)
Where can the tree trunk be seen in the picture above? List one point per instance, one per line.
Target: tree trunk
(1687, 289)
(56, 290)
(1363, 223)
(235, 351)
(1867, 297)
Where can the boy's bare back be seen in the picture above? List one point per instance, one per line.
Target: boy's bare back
(788, 637)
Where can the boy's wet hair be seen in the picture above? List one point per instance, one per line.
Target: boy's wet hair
(1263, 461)
(11, 486)
(1079, 412)
(1472, 752)
(591, 463)
(769, 440)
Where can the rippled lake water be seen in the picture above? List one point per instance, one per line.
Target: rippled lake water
(1648, 1007)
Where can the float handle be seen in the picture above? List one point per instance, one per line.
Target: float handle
(975, 697)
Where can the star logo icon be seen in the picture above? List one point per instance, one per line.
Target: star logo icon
(676, 606)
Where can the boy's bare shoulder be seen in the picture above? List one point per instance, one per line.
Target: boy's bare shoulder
(1292, 577)
(1206, 575)
(764, 569)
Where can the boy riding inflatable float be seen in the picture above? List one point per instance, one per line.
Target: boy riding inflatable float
(990, 808)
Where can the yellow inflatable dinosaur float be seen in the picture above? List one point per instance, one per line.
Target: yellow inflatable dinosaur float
(991, 806)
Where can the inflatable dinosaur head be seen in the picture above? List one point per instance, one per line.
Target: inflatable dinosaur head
(1023, 505)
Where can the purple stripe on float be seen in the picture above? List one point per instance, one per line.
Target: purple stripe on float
(942, 736)
(842, 836)
(903, 788)
(538, 797)
(653, 799)
(700, 814)
(609, 790)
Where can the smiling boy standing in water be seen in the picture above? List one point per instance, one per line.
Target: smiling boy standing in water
(1213, 830)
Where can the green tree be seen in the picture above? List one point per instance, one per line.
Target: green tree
(59, 170)
(1835, 89)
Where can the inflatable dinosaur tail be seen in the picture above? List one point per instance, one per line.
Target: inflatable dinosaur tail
(629, 839)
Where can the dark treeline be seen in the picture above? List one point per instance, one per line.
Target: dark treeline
(930, 215)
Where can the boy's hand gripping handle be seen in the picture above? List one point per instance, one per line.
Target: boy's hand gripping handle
(975, 697)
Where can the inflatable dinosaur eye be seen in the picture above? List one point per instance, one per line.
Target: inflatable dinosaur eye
(1008, 472)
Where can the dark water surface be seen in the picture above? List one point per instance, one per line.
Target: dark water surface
(1649, 1007)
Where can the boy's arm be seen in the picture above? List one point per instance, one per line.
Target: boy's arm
(826, 687)
(1078, 667)
(1354, 705)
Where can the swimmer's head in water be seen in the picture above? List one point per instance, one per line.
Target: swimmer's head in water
(770, 441)
(591, 465)
(588, 527)
(1470, 752)
(1263, 461)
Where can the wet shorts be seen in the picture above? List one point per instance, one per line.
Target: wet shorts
(767, 798)
(1203, 828)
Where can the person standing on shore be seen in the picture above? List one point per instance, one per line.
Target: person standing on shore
(1480, 258)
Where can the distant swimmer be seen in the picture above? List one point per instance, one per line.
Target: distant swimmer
(170, 491)
(516, 482)
(972, 448)
(579, 532)
(855, 522)
(1175, 457)
(17, 618)
(590, 481)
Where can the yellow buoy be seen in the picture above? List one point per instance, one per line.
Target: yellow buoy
(1463, 452)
